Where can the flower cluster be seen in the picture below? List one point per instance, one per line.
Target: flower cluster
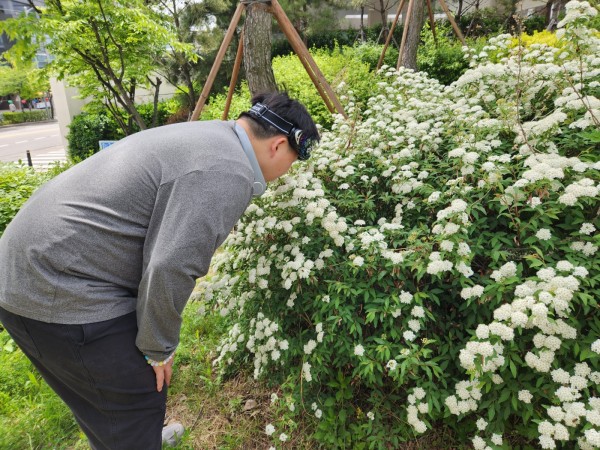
(439, 230)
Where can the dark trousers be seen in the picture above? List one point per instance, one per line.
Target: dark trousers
(100, 374)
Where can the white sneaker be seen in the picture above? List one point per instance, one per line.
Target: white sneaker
(171, 434)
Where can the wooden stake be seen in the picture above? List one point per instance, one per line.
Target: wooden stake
(405, 32)
(234, 74)
(218, 60)
(389, 38)
(327, 94)
(431, 21)
(452, 21)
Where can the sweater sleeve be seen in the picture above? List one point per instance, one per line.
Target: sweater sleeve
(192, 216)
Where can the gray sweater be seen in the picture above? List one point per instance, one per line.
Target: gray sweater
(128, 229)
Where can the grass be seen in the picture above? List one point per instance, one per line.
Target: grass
(214, 411)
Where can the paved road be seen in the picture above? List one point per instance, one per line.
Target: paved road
(41, 139)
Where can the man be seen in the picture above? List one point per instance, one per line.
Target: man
(98, 265)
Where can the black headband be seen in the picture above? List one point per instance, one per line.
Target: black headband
(300, 143)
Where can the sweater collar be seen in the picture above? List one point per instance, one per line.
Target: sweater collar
(260, 185)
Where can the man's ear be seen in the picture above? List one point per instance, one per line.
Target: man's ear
(276, 143)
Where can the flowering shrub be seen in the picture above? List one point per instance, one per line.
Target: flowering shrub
(436, 263)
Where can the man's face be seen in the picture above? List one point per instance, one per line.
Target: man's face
(280, 161)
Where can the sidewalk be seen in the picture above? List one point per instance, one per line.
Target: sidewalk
(46, 158)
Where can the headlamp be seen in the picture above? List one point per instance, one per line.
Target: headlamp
(296, 137)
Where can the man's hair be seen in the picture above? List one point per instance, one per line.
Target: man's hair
(291, 110)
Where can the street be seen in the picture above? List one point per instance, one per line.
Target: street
(41, 139)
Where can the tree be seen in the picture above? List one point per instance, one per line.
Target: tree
(257, 49)
(199, 24)
(408, 55)
(26, 82)
(106, 49)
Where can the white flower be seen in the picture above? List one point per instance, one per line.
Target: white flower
(506, 271)
(370, 415)
(409, 335)
(358, 261)
(405, 297)
(283, 437)
(318, 413)
(525, 396)
(596, 346)
(497, 439)
(359, 350)
(481, 424)
(547, 442)
(269, 429)
(306, 371)
(391, 364)
(543, 234)
(587, 229)
(478, 443)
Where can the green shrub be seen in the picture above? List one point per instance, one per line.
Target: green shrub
(484, 22)
(17, 182)
(340, 66)
(240, 102)
(435, 265)
(534, 23)
(95, 125)
(23, 117)
(86, 130)
(335, 38)
(166, 109)
(369, 53)
(444, 60)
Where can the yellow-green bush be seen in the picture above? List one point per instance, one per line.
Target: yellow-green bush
(538, 37)
(342, 65)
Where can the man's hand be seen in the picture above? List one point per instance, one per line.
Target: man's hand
(163, 374)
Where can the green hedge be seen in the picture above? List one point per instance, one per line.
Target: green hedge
(17, 183)
(86, 130)
(9, 118)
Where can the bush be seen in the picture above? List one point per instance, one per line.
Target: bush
(435, 264)
(341, 66)
(484, 22)
(86, 130)
(444, 60)
(23, 117)
(166, 109)
(17, 183)
(335, 38)
(370, 53)
(240, 102)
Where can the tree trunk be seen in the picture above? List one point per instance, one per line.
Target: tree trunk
(408, 57)
(257, 50)
(384, 27)
(459, 12)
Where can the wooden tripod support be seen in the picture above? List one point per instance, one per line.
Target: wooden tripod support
(315, 74)
(407, 22)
